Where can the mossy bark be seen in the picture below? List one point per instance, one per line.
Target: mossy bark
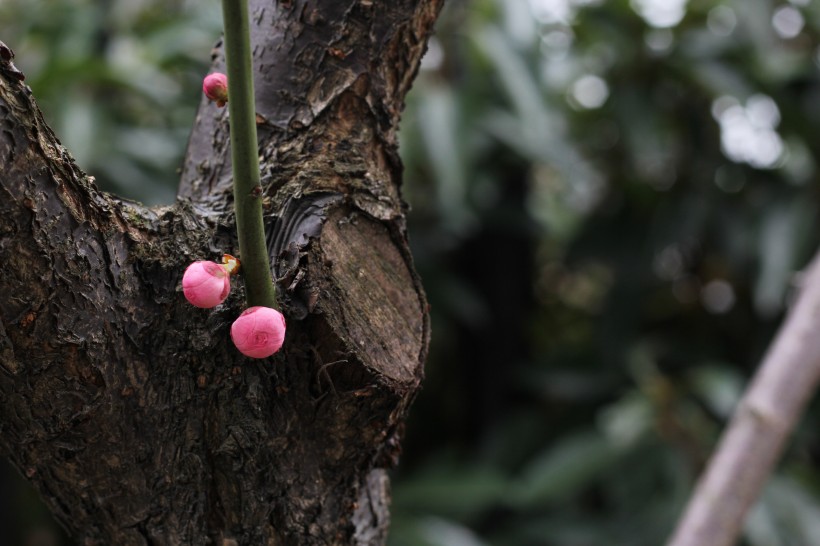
(129, 409)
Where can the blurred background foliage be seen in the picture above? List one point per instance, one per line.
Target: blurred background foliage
(610, 201)
(119, 81)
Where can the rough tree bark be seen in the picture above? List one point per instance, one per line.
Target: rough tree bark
(129, 409)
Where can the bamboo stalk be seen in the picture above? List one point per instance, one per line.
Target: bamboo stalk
(757, 433)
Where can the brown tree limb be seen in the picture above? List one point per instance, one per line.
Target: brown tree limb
(129, 409)
(757, 433)
(325, 69)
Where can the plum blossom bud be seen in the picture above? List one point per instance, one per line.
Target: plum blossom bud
(258, 332)
(215, 87)
(206, 284)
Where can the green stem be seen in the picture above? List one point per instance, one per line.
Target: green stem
(253, 252)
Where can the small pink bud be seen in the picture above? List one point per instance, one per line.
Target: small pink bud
(206, 284)
(215, 87)
(258, 332)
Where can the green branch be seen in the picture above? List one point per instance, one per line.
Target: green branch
(253, 252)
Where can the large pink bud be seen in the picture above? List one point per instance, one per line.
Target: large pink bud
(215, 87)
(206, 284)
(258, 332)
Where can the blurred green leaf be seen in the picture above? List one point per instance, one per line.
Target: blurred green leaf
(564, 470)
(786, 514)
(456, 491)
(441, 135)
(431, 531)
(778, 261)
(720, 387)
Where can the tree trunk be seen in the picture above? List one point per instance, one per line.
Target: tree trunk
(129, 409)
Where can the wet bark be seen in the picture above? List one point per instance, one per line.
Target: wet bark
(129, 409)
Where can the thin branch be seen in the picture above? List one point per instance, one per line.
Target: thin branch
(757, 433)
(247, 190)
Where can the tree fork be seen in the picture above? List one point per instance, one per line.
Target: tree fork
(128, 409)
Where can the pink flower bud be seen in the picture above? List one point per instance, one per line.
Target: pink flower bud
(215, 87)
(206, 284)
(258, 332)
